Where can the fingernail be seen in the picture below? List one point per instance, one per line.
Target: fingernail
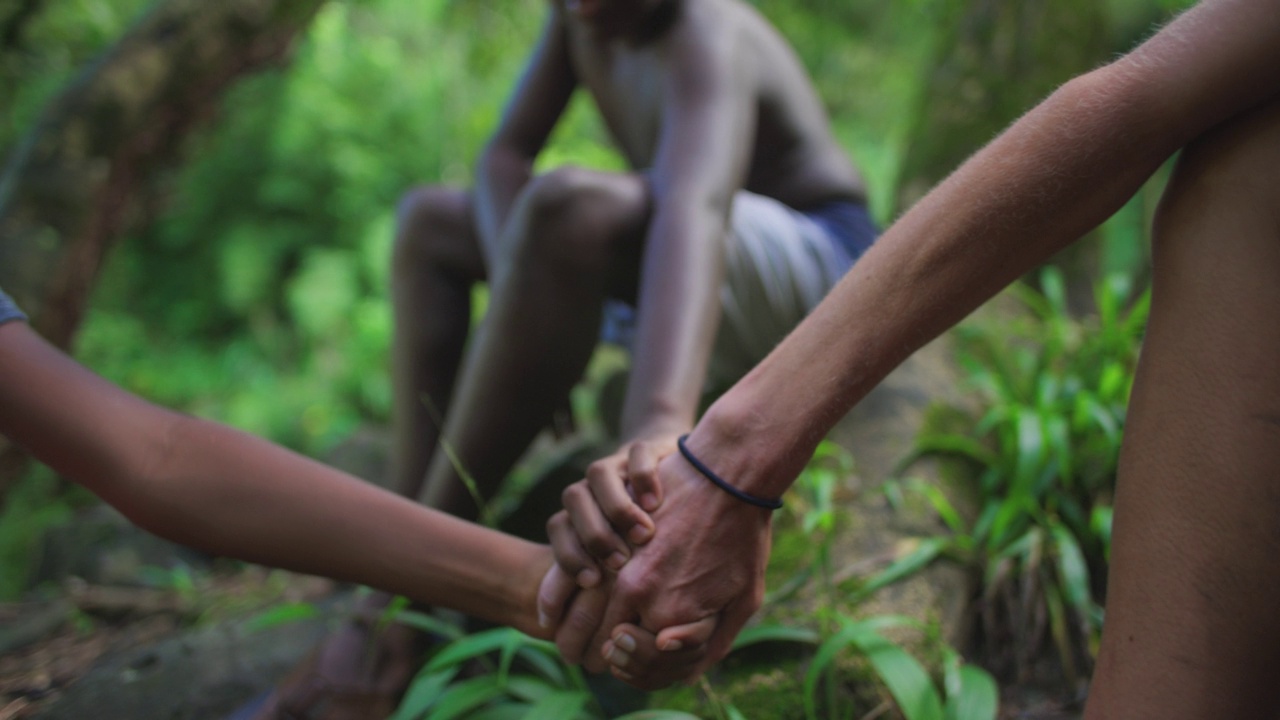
(616, 561)
(620, 673)
(588, 578)
(626, 642)
(544, 621)
(606, 650)
(639, 534)
(649, 502)
(671, 646)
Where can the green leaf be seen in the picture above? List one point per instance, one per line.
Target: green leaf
(1072, 568)
(471, 646)
(281, 615)
(501, 711)
(559, 704)
(775, 633)
(905, 677)
(548, 665)
(429, 624)
(530, 689)
(941, 504)
(924, 553)
(658, 715)
(951, 444)
(465, 696)
(976, 696)
(1031, 451)
(423, 692)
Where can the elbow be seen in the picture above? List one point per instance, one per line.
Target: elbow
(1122, 101)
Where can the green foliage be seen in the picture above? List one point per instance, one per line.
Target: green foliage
(31, 507)
(1045, 446)
(259, 297)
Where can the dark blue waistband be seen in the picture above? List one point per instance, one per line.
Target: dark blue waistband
(9, 310)
(848, 223)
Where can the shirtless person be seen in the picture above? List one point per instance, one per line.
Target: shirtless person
(740, 212)
(1192, 629)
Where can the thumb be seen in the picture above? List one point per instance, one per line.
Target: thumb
(688, 635)
(553, 594)
(642, 475)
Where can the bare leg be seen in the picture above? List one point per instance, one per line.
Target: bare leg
(574, 237)
(1193, 607)
(436, 261)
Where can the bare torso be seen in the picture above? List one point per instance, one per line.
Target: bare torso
(794, 159)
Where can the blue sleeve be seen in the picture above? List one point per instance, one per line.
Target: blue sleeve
(8, 310)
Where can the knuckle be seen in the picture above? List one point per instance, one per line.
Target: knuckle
(598, 546)
(571, 493)
(557, 521)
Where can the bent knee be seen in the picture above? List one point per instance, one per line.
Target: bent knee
(580, 218)
(433, 225)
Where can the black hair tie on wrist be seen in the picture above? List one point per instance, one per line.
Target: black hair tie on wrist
(719, 481)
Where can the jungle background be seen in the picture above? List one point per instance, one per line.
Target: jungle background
(198, 201)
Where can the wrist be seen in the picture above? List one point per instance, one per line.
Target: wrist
(522, 593)
(749, 449)
(658, 427)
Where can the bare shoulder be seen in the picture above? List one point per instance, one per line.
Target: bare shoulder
(731, 33)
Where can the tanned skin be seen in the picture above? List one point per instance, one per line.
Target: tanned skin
(1191, 627)
(704, 99)
(227, 492)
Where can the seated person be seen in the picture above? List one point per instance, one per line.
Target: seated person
(1191, 625)
(739, 212)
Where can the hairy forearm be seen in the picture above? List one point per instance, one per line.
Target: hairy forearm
(1055, 174)
(679, 314)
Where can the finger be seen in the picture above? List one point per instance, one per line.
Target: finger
(620, 610)
(634, 656)
(642, 475)
(732, 620)
(608, 486)
(578, 628)
(554, 592)
(569, 553)
(593, 529)
(691, 634)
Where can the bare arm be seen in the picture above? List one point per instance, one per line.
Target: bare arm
(506, 164)
(707, 128)
(212, 487)
(1056, 173)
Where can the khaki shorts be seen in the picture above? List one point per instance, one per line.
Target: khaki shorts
(779, 264)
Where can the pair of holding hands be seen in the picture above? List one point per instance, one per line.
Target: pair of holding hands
(656, 569)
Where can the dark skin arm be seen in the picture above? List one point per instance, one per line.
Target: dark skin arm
(506, 164)
(701, 160)
(227, 492)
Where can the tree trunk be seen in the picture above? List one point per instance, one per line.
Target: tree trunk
(74, 184)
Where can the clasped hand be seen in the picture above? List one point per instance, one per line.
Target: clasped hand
(657, 570)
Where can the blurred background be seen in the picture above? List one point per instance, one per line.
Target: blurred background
(248, 280)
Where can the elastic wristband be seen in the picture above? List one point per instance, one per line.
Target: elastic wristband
(721, 483)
